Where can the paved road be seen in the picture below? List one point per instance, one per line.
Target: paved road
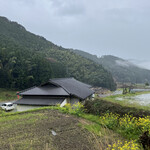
(7, 102)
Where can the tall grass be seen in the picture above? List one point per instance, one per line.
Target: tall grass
(7, 94)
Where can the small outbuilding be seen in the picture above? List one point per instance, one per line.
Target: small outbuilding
(56, 91)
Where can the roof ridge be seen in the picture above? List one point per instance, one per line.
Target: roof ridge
(61, 78)
(60, 86)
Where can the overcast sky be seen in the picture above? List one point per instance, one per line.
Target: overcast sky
(116, 27)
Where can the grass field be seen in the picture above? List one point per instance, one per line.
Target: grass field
(75, 129)
(32, 130)
(7, 94)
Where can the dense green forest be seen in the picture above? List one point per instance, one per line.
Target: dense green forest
(21, 68)
(27, 60)
(122, 70)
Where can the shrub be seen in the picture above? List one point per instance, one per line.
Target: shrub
(109, 120)
(75, 109)
(144, 123)
(100, 107)
(132, 145)
(129, 126)
(2, 112)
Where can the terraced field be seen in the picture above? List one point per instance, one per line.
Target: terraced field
(33, 130)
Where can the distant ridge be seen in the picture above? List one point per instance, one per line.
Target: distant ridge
(27, 59)
(122, 70)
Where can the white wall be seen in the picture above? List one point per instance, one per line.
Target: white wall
(25, 107)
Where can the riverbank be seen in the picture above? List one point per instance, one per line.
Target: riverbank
(128, 100)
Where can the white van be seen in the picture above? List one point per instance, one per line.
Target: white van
(7, 106)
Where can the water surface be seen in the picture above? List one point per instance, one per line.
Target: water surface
(143, 99)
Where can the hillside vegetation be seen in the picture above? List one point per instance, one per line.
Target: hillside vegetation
(122, 70)
(27, 59)
(7, 95)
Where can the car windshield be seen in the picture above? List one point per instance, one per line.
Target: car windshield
(3, 104)
(9, 105)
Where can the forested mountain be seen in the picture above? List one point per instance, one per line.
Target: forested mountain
(122, 70)
(27, 59)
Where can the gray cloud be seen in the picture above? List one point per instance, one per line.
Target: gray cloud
(141, 63)
(100, 27)
(68, 7)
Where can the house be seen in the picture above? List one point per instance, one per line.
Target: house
(56, 91)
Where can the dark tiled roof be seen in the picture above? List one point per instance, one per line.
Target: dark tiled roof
(40, 101)
(45, 90)
(73, 87)
(61, 87)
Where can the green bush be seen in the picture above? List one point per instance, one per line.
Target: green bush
(2, 112)
(127, 125)
(75, 109)
(100, 107)
(110, 120)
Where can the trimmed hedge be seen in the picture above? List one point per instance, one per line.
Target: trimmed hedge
(100, 107)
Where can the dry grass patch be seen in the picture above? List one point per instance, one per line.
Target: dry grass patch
(32, 130)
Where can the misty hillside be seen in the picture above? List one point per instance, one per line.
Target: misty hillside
(122, 70)
(27, 59)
